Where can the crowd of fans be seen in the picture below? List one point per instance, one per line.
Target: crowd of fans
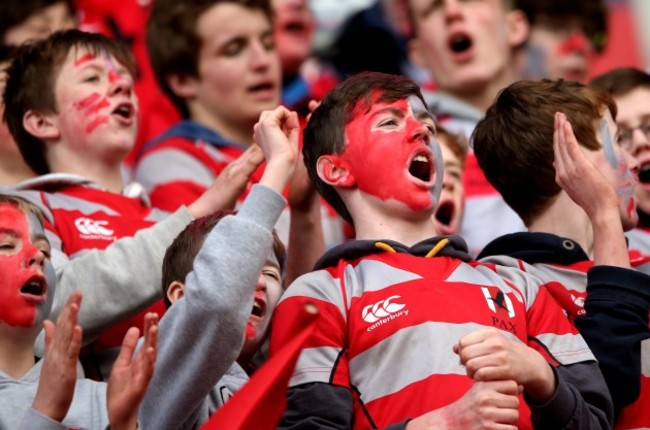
(182, 180)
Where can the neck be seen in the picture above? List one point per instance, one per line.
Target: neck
(481, 97)
(566, 219)
(231, 131)
(13, 170)
(372, 224)
(109, 176)
(16, 350)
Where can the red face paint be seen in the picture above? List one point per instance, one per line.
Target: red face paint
(381, 145)
(576, 43)
(20, 263)
(84, 59)
(90, 106)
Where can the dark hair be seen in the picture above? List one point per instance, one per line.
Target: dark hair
(14, 13)
(513, 143)
(325, 131)
(173, 43)
(180, 255)
(591, 13)
(31, 78)
(621, 81)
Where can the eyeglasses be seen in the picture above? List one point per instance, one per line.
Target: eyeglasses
(625, 135)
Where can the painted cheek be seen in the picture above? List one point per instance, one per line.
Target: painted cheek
(15, 310)
(90, 107)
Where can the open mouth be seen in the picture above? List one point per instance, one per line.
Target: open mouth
(445, 213)
(460, 43)
(295, 27)
(124, 110)
(34, 287)
(264, 86)
(259, 308)
(421, 168)
(644, 174)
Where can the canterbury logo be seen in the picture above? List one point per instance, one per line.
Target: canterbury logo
(92, 227)
(381, 309)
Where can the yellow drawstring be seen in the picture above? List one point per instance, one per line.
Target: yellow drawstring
(437, 248)
(386, 247)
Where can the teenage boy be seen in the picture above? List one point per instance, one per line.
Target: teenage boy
(71, 109)
(470, 48)
(217, 62)
(411, 328)
(630, 89)
(46, 393)
(564, 37)
(568, 234)
(449, 211)
(213, 275)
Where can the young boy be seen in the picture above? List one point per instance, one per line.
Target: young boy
(470, 48)
(564, 37)
(630, 89)
(213, 275)
(411, 328)
(452, 196)
(216, 60)
(568, 234)
(73, 114)
(47, 393)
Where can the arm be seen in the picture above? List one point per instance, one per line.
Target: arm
(615, 323)
(590, 189)
(219, 291)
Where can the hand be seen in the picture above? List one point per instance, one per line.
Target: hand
(277, 133)
(130, 376)
(59, 373)
(577, 175)
(489, 356)
(486, 405)
(229, 185)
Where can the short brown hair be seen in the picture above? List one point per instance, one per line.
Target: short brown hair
(173, 43)
(15, 13)
(180, 255)
(514, 142)
(621, 81)
(325, 130)
(31, 78)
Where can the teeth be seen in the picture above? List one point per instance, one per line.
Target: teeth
(420, 158)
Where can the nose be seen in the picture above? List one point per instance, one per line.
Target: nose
(452, 10)
(261, 56)
(34, 256)
(640, 142)
(448, 182)
(119, 84)
(632, 163)
(417, 131)
(261, 283)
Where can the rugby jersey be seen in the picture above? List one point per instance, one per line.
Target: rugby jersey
(615, 324)
(80, 219)
(390, 315)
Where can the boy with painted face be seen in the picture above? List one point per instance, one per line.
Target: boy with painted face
(47, 393)
(630, 89)
(471, 49)
(575, 236)
(73, 113)
(217, 270)
(413, 333)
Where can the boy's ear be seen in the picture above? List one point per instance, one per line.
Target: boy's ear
(176, 291)
(184, 86)
(334, 171)
(517, 27)
(40, 125)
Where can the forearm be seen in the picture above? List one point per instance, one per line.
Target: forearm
(119, 281)
(609, 245)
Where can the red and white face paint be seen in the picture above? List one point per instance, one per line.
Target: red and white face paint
(392, 154)
(25, 269)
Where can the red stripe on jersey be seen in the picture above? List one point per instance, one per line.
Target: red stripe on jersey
(637, 415)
